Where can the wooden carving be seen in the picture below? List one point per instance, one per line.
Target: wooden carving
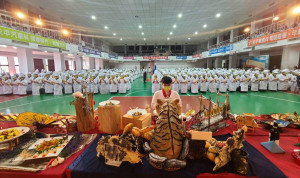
(85, 113)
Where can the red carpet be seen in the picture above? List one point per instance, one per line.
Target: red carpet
(4, 98)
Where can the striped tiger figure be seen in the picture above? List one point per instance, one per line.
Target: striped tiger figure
(167, 137)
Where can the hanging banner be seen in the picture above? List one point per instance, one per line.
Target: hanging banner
(221, 50)
(197, 55)
(128, 57)
(155, 57)
(181, 57)
(30, 38)
(113, 56)
(283, 35)
(261, 62)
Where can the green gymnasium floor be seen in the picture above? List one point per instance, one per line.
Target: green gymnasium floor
(251, 102)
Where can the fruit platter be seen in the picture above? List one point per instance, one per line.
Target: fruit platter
(11, 134)
(47, 147)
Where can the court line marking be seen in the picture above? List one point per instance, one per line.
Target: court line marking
(36, 102)
(275, 98)
(16, 99)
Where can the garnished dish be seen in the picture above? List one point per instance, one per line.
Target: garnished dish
(48, 147)
(109, 103)
(136, 112)
(9, 133)
(12, 133)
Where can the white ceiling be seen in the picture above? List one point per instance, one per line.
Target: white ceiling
(156, 16)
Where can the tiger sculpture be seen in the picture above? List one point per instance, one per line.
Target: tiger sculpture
(168, 146)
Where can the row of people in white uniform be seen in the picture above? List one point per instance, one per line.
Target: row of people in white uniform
(97, 81)
(222, 80)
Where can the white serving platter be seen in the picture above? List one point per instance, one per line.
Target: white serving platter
(132, 111)
(23, 131)
(49, 153)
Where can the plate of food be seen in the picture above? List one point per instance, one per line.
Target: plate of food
(48, 147)
(136, 112)
(109, 103)
(10, 134)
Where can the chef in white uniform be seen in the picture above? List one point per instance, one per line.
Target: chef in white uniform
(68, 83)
(263, 80)
(94, 83)
(7, 88)
(36, 84)
(232, 82)
(212, 84)
(254, 82)
(223, 83)
(175, 83)
(57, 81)
(77, 83)
(103, 84)
(49, 87)
(113, 84)
(194, 84)
(183, 84)
(203, 83)
(283, 84)
(22, 84)
(29, 81)
(155, 82)
(14, 84)
(273, 81)
(1, 85)
(294, 85)
(122, 84)
(244, 79)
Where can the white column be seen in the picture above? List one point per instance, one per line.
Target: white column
(78, 61)
(44, 63)
(232, 61)
(290, 57)
(11, 65)
(233, 33)
(219, 38)
(59, 62)
(208, 44)
(25, 59)
(98, 63)
(91, 62)
(209, 63)
(184, 49)
(218, 63)
(252, 29)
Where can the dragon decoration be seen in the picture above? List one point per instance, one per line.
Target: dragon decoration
(166, 146)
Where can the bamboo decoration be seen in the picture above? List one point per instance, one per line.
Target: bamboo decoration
(85, 113)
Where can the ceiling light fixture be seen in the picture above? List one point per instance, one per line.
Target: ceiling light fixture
(196, 33)
(121, 39)
(246, 30)
(296, 10)
(93, 17)
(140, 26)
(39, 22)
(20, 15)
(179, 15)
(114, 34)
(276, 18)
(174, 26)
(204, 26)
(144, 39)
(106, 27)
(142, 33)
(45, 51)
(171, 33)
(65, 32)
(189, 38)
(218, 15)
(168, 38)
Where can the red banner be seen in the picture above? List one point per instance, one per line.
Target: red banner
(128, 57)
(155, 57)
(197, 55)
(283, 35)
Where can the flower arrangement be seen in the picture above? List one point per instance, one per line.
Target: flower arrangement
(77, 95)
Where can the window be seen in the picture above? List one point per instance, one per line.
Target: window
(4, 64)
(17, 64)
(71, 65)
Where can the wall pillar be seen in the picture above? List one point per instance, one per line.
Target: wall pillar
(209, 63)
(290, 57)
(232, 61)
(218, 63)
(59, 62)
(79, 62)
(91, 62)
(25, 58)
(99, 63)
(233, 33)
(11, 65)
